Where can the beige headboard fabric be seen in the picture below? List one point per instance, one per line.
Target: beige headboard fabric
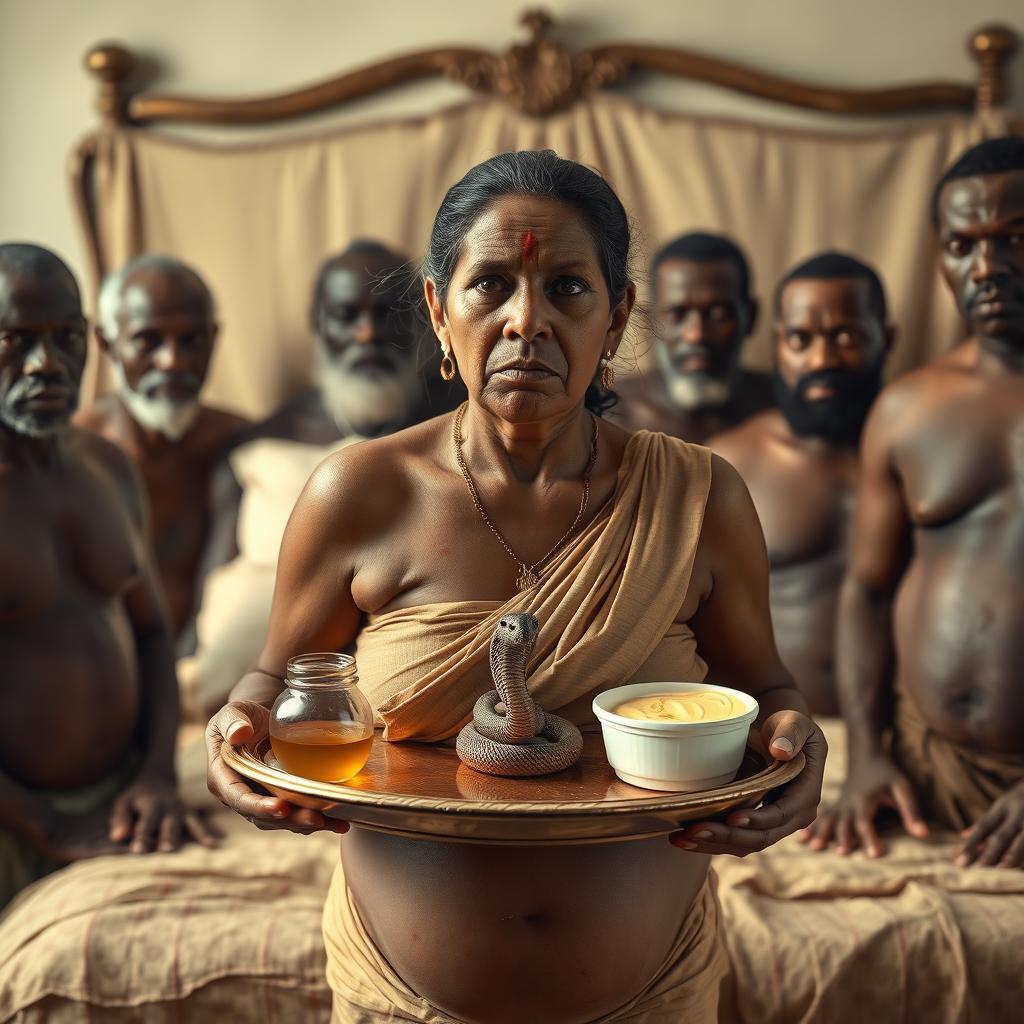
(256, 220)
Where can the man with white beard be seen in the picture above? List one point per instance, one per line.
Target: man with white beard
(372, 373)
(157, 326)
(703, 312)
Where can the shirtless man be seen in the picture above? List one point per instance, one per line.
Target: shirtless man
(932, 609)
(703, 313)
(157, 326)
(370, 376)
(800, 460)
(89, 703)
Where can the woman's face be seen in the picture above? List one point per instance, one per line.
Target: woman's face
(528, 315)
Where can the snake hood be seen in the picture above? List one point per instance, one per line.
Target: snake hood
(513, 640)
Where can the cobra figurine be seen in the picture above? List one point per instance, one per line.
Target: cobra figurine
(526, 740)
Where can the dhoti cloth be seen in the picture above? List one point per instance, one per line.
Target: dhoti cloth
(21, 863)
(607, 607)
(955, 784)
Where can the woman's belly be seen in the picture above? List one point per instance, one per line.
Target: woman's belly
(558, 934)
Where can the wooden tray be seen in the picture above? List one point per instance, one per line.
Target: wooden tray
(424, 790)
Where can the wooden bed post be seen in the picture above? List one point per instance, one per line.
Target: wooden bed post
(114, 66)
(992, 47)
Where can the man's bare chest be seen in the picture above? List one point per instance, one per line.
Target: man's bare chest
(62, 539)
(964, 462)
(805, 512)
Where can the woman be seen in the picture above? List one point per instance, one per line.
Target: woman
(634, 552)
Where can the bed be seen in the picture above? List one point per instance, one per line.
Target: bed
(234, 933)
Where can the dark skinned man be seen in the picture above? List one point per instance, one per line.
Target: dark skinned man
(157, 326)
(370, 375)
(800, 460)
(89, 700)
(932, 608)
(703, 313)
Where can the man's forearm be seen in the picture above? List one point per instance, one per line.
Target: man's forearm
(864, 666)
(160, 703)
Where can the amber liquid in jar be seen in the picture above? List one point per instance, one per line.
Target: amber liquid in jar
(325, 751)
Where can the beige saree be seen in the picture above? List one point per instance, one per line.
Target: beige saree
(607, 609)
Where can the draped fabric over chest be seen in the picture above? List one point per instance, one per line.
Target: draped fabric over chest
(606, 606)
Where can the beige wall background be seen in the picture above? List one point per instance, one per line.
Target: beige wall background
(242, 47)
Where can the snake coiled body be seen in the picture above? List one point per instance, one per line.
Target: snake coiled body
(525, 740)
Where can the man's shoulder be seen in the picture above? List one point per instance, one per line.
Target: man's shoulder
(925, 389)
(219, 428)
(106, 459)
(749, 439)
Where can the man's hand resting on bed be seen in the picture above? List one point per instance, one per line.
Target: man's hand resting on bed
(997, 837)
(792, 807)
(873, 783)
(241, 722)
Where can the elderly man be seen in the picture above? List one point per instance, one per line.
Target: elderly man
(703, 312)
(932, 609)
(368, 373)
(157, 327)
(800, 460)
(371, 376)
(89, 702)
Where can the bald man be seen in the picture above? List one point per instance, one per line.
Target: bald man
(931, 624)
(704, 312)
(800, 461)
(157, 326)
(88, 699)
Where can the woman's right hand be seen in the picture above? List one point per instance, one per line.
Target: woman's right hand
(242, 722)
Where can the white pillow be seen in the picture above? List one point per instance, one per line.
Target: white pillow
(232, 622)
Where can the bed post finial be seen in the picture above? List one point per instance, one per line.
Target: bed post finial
(992, 46)
(114, 66)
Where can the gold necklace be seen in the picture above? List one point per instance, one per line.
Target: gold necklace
(527, 576)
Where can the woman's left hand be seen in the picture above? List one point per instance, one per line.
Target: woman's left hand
(792, 807)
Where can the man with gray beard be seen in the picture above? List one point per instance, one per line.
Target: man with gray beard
(704, 312)
(157, 326)
(371, 375)
(89, 699)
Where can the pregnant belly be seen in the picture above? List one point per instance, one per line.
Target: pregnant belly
(508, 934)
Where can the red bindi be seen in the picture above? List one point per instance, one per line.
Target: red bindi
(530, 247)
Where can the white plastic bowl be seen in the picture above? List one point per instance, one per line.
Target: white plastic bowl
(678, 757)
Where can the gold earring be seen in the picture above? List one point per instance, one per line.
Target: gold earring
(607, 373)
(447, 366)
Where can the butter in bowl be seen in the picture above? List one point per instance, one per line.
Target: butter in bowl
(675, 737)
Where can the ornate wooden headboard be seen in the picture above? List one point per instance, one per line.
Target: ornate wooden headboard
(259, 218)
(539, 77)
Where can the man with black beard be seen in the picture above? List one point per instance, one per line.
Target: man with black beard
(704, 312)
(800, 460)
(157, 326)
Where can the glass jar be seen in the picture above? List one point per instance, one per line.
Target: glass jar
(321, 726)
